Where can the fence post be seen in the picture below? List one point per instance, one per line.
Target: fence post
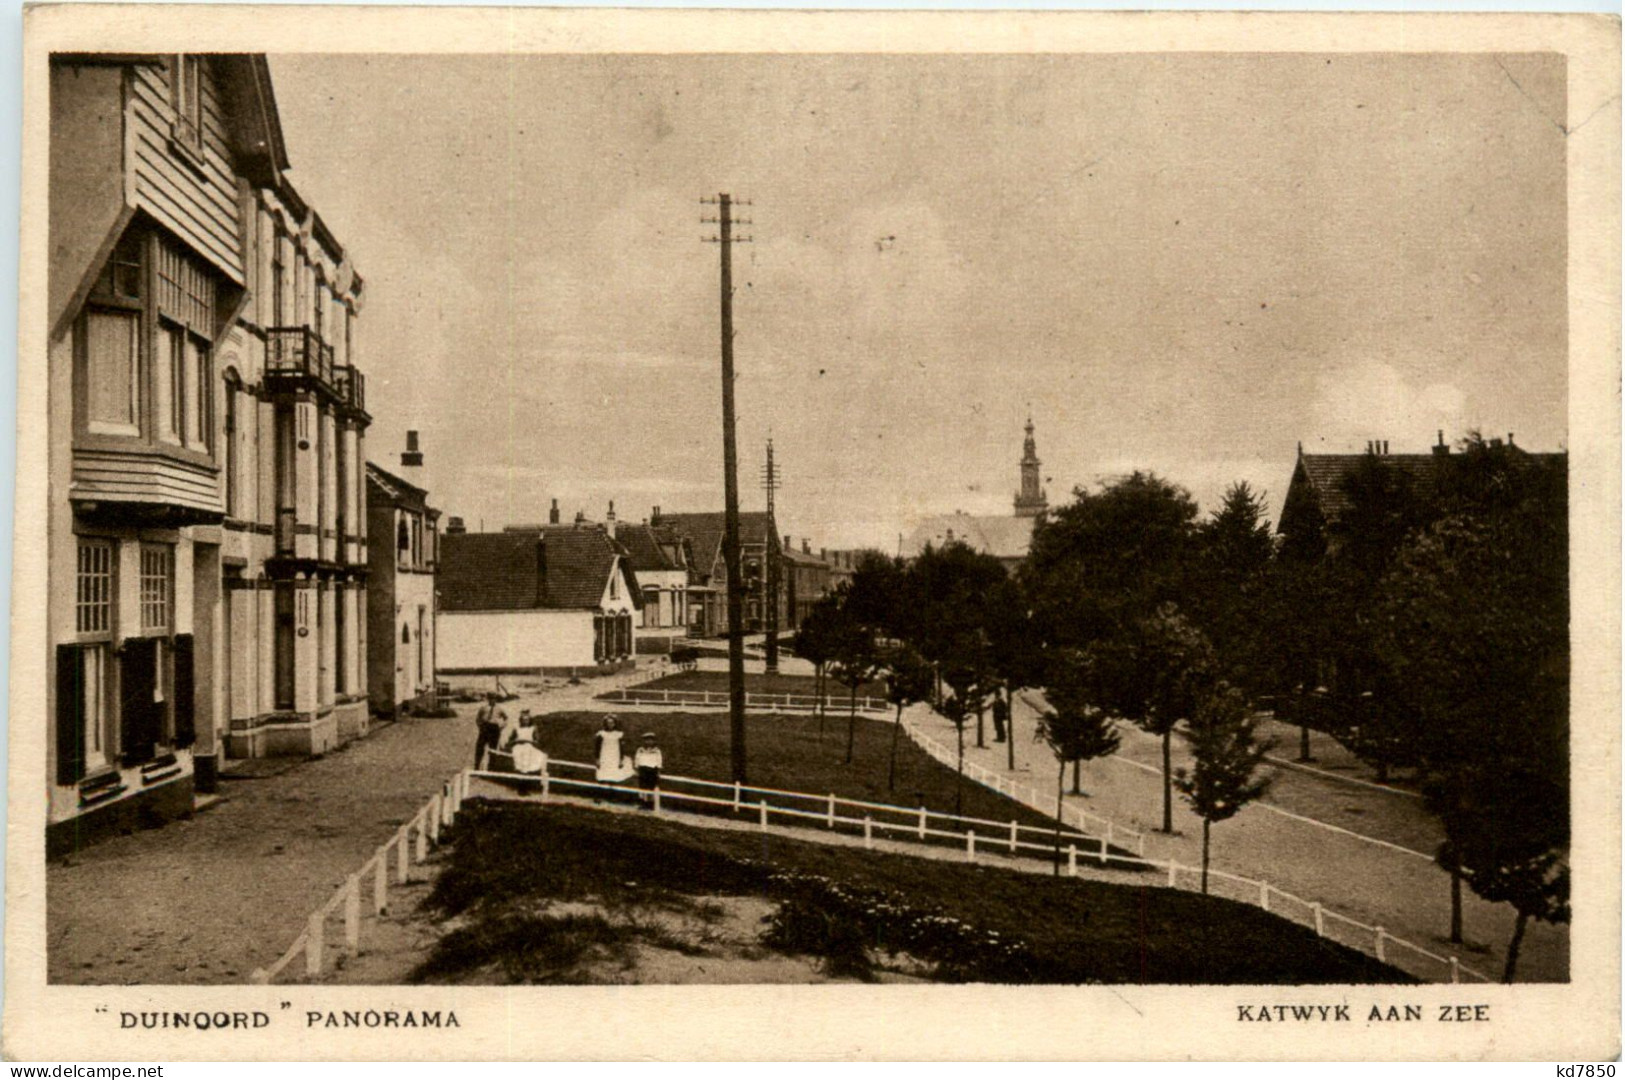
(1320, 920)
(1455, 970)
(1173, 874)
(1139, 847)
(352, 914)
(1382, 936)
(736, 795)
(1072, 860)
(403, 865)
(1013, 839)
(421, 849)
(313, 943)
(763, 805)
(970, 845)
(1103, 853)
(433, 819)
(922, 823)
(1264, 895)
(829, 816)
(657, 798)
(1104, 844)
(380, 883)
(868, 832)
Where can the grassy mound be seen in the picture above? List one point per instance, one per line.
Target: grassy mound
(848, 907)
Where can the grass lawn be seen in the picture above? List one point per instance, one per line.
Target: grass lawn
(717, 683)
(788, 753)
(854, 910)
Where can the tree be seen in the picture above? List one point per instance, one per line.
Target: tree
(1075, 727)
(1226, 755)
(1473, 626)
(875, 595)
(1229, 590)
(854, 661)
(813, 644)
(1108, 559)
(909, 679)
(956, 712)
(1155, 674)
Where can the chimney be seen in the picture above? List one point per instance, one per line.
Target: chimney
(553, 514)
(1385, 447)
(789, 545)
(581, 517)
(609, 520)
(412, 461)
(806, 546)
(1509, 439)
(1369, 448)
(654, 517)
(1440, 449)
(455, 526)
(823, 553)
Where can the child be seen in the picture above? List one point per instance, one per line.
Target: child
(648, 762)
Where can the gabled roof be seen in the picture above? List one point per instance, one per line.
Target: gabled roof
(556, 568)
(704, 532)
(1002, 537)
(1325, 474)
(1321, 479)
(647, 549)
(802, 558)
(396, 490)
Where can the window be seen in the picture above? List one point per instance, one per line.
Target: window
(157, 564)
(317, 307)
(113, 372)
(231, 463)
(199, 395)
(93, 601)
(615, 584)
(187, 76)
(168, 382)
(279, 284)
(93, 661)
(284, 615)
(403, 540)
(340, 675)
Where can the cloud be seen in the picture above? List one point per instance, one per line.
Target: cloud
(1375, 400)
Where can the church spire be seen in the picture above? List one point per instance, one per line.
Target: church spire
(1031, 500)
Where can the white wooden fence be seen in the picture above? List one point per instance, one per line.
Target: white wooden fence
(648, 695)
(396, 856)
(979, 837)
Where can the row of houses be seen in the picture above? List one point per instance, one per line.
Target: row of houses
(581, 596)
(225, 580)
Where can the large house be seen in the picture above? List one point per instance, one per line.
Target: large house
(1008, 539)
(708, 570)
(207, 416)
(806, 581)
(1317, 496)
(659, 559)
(401, 605)
(555, 599)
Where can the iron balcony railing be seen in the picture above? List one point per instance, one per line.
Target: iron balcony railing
(351, 386)
(298, 350)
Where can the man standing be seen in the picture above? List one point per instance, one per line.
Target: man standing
(489, 722)
(648, 761)
(1001, 717)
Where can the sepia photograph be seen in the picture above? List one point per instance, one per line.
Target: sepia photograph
(827, 520)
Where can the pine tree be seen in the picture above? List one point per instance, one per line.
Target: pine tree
(1227, 756)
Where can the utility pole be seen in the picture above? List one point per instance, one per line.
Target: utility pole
(770, 484)
(725, 240)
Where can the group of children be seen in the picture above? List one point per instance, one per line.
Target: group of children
(518, 740)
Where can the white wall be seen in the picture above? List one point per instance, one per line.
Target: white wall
(514, 639)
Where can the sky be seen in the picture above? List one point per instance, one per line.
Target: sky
(1188, 263)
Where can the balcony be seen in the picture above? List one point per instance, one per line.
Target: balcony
(296, 358)
(351, 386)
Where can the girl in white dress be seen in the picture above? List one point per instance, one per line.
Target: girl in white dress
(613, 766)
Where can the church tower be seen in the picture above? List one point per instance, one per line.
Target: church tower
(1030, 500)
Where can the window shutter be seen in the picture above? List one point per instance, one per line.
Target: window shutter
(70, 720)
(185, 691)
